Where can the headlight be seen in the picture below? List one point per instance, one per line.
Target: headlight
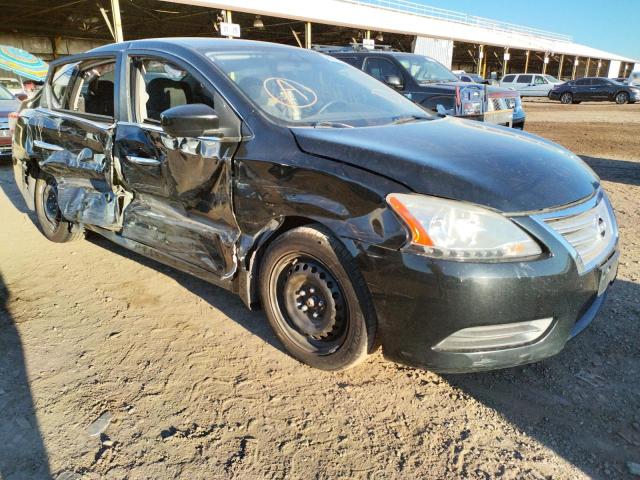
(458, 231)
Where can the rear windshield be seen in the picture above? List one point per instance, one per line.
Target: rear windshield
(303, 88)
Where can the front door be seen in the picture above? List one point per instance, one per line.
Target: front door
(71, 133)
(181, 187)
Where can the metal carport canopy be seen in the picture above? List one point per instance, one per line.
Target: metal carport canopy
(350, 14)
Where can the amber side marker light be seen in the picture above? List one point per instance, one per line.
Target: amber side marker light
(418, 233)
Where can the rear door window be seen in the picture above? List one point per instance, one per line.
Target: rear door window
(59, 89)
(380, 68)
(508, 79)
(525, 78)
(85, 88)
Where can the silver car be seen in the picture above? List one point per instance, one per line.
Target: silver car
(530, 84)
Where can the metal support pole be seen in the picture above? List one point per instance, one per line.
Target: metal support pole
(545, 61)
(117, 20)
(307, 35)
(598, 68)
(367, 34)
(560, 67)
(505, 62)
(229, 18)
(586, 70)
(575, 67)
(526, 61)
(480, 57)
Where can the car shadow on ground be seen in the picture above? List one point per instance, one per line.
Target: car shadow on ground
(583, 403)
(219, 298)
(22, 451)
(619, 171)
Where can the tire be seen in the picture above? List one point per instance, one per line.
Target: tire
(52, 225)
(316, 299)
(621, 98)
(566, 98)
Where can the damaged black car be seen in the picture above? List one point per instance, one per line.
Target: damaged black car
(350, 215)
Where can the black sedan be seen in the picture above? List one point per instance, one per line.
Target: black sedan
(344, 210)
(595, 89)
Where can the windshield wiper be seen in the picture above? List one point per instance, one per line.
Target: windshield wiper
(331, 124)
(409, 119)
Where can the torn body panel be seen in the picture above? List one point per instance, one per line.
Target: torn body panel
(77, 153)
(182, 195)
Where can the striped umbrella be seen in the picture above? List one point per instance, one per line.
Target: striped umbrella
(22, 63)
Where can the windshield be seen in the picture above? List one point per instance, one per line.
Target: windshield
(551, 79)
(426, 70)
(305, 88)
(5, 94)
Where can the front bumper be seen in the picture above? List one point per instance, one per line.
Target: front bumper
(554, 95)
(420, 301)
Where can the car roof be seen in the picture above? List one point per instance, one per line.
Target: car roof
(194, 43)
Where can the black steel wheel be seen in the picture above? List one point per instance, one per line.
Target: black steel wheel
(52, 223)
(566, 98)
(622, 98)
(322, 314)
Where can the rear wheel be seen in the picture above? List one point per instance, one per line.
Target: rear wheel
(566, 98)
(316, 300)
(52, 224)
(622, 98)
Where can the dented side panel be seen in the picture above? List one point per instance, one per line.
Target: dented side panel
(77, 153)
(182, 196)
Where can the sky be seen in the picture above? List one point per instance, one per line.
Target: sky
(595, 23)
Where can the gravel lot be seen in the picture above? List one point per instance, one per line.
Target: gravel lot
(114, 366)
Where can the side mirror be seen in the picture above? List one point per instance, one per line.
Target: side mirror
(192, 120)
(394, 81)
(22, 96)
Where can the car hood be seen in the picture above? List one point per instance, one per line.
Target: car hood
(451, 87)
(461, 159)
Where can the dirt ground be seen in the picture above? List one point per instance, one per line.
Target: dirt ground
(114, 366)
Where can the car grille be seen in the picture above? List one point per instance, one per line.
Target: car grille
(592, 233)
(503, 103)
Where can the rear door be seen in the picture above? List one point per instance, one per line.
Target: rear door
(181, 187)
(70, 135)
(601, 89)
(524, 84)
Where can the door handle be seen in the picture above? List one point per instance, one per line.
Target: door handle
(47, 146)
(143, 160)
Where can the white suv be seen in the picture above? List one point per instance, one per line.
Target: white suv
(529, 84)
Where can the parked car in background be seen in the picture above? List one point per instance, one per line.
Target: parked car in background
(12, 84)
(634, 79)
(433, 86)
(530, 84)
(595, 89)
(351, 215)
(15, 87)
(9, 104)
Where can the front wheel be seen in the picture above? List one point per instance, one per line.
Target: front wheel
(566, 98)
(316, 300)
(52, 223)
(622, 98)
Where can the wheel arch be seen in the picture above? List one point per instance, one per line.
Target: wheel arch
(248, 287)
